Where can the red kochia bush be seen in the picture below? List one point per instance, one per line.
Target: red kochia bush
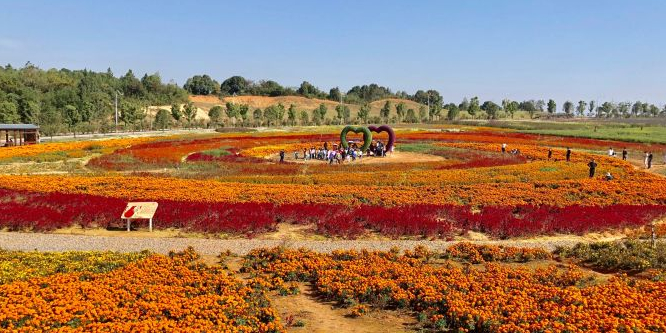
(20, 210)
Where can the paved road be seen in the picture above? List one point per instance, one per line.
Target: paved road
(59, 242)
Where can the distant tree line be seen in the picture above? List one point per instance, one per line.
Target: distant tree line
(80, 100)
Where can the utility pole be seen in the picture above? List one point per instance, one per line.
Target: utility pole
(116, 107)
(429, 113)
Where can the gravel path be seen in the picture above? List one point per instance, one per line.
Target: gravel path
(59, 242)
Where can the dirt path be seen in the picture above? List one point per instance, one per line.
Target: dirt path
(308, 312)
(122, 241)
(321, 316)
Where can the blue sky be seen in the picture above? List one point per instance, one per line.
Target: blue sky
(603, 50)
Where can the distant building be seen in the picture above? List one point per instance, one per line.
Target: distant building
(18, 134)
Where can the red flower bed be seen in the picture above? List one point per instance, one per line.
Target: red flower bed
(47, 211)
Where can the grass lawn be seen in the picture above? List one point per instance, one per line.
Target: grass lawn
(634, 130)
(652, 134)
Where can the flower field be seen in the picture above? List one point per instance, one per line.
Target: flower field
(489, 298)
(147, 293)
(231, 183)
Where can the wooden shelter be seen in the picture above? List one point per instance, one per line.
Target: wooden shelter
(18, 134)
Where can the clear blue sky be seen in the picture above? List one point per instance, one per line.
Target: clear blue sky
(603, 50)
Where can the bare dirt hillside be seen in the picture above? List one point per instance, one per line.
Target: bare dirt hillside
(204, 103)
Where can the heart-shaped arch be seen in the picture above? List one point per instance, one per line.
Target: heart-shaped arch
(367, 136)
(387, 129)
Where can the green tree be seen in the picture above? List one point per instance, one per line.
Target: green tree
(637, 109)
(606, 109)
(510, 107)
(653, 110)
(215, 113)
(73, 117)
(176, 114)
(162, 119)
(9, 113)
(385, 112)
(243, 111)
(304, 118)
(232, 111)
(567, 107)
(400, 110)
(51, 122)
(474, 107)
(271, 115)
(464, 105)
(257, 115)
(364, 113)
(552, 106)
(28, 110)
(346, 113)
(452, 111)
(308, 90)
(625, 109)
(235, 85)
(201, 85)
(423, 113)
(131, 114)
(280, 113)
(291, 114)
(340, 111)
(131, 86)
(335, 95)
(491, 109)
(319, 114)
(189, 112)
(580, 109)
(591, 108)
(410, 116)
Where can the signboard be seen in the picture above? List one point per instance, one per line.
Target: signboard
(139, 210)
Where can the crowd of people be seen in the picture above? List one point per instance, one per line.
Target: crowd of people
(338, 153)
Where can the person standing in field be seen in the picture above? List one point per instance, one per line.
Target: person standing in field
(550, 153)
(593, 167)
(568, 154)
(649, 160)
(504, 147)
(624, 154)
(645, 161)
(611, 152)
(281, 156)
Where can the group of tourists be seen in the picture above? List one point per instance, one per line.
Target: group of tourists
(647, 160)
(338, 154)
(592, 165)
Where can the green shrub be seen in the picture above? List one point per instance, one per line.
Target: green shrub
(630, 255)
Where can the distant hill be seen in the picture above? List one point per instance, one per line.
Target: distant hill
(302, 103)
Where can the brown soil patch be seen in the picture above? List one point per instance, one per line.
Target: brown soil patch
(322, 316)
(302, 103)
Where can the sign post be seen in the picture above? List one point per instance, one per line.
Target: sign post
(139, 210)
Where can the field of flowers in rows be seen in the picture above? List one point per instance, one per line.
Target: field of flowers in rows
(132, 293)
(465, 288)
(488, 298)
(232, 183)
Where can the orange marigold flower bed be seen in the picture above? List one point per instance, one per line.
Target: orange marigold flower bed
(494, 298)
(155, 294)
